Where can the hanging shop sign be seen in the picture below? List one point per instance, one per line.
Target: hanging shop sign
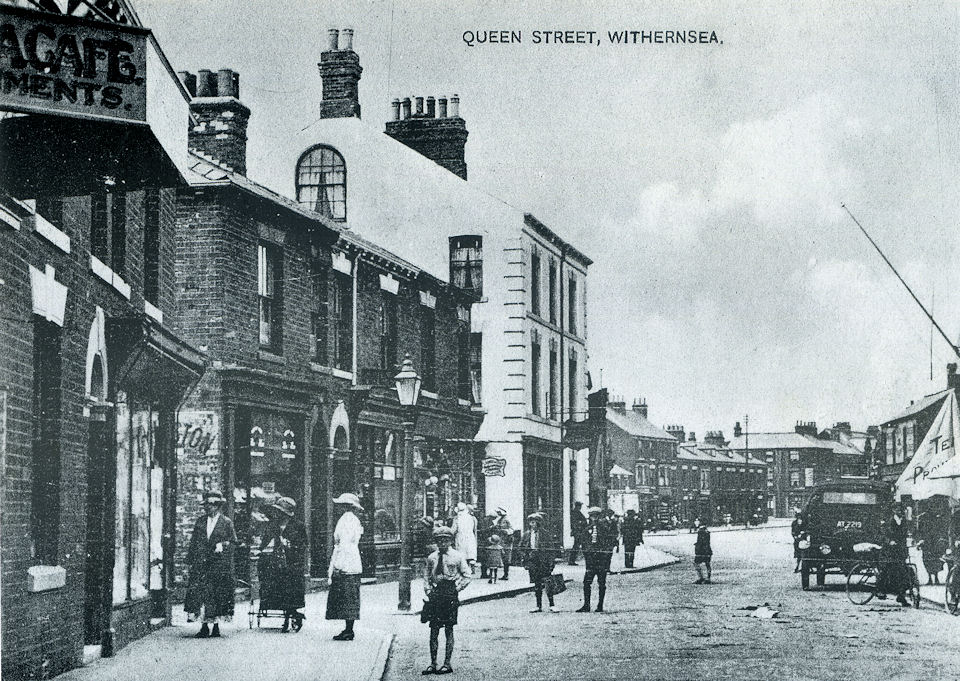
(52, 64)
(494, 466)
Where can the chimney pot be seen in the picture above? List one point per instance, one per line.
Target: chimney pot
(431, 107)
(455, 106)
(333, 38)
(228, 83)
(395, 104)
(405, 104)
(419, 101)
(442, 103)
(189, 81)
(206, 86)
(347, 34)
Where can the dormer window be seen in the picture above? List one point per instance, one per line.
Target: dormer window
(322, 182)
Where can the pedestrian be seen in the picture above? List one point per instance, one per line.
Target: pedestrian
(210, 594)
(893, 576)
(539, 550)
(578, 522)
(494, 558)
(702, 554)
(505, 529)
(465, 534)
(445, 574)
(613, 527)
(282, 563)
(632, 535)
(486, 529)
(345, 568)
(932, 542)
(798, 528)
(598, 538)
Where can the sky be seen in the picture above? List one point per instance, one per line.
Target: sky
(705, 181)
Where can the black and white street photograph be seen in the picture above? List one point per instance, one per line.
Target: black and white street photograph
(372, 340)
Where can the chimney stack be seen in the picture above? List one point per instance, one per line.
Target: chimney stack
(640, 407)
(952, 380)
(677, 432)
(221, 118)
(692, 437)
(737, 430)
(340, 72)
(806, 428)
(441, 138)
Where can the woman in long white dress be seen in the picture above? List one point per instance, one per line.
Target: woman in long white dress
(465, 533)
(343, 599)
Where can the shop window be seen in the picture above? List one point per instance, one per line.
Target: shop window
(388, 331)
(535, 373)
(139, 490)
(45, 471)
(341, 321)
(151, 246)
(476, 364)
(466, 263)
(322, 182)
(535, 281)
(319, 317)
(428, 348)
(270, 295)
(572, 305)
(108, 229)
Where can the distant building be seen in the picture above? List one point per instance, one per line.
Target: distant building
(796, 461)
(717, 484)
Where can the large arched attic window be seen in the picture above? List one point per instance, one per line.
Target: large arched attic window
(322, 182)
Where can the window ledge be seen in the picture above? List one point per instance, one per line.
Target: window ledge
(268, 356)
(331, 371)
(431, 395)
(108, 275)
(51, 233)
(45, 578)
(153, 311)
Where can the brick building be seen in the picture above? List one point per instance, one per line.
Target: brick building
(798, 460)
(405, 190)
(305, 323)
(91, 374)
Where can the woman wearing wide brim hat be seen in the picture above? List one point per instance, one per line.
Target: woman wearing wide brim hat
(343, 598)
(282, 563)
(210, 590)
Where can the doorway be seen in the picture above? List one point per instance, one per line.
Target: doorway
(96, 581)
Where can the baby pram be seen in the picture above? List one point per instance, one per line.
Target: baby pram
(278, 594)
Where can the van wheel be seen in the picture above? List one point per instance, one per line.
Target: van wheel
(805, 575)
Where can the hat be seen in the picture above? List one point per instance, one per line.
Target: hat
(443, 531)
(461, 506)
(491, 514)
(535, 516)
(630, 511)
(214, 497)
(594, 509)
(494, 538)
(348, 498)
(501, 510)
(285, 505)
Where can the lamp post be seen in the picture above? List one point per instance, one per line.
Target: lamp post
(408, 392)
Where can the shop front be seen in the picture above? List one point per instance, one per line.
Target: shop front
(543, 482)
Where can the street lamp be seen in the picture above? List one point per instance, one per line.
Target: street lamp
(408, 392)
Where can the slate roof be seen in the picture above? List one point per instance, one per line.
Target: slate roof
(634, 424)
(917, 407)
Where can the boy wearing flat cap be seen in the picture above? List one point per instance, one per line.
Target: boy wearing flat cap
(446, 573)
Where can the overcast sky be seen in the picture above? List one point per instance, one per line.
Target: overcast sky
(705, 181)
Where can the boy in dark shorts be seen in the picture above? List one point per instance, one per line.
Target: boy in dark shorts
(702, 553)
(446, 573)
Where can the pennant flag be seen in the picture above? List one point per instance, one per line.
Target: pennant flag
(924, 475)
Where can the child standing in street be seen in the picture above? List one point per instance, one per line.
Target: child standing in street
(494, 557)
(702, 553)
(446, 573)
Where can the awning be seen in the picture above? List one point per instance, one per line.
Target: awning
(149, 362)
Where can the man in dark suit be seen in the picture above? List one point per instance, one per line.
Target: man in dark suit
(578, 523)
(632, 532)
(539, 549)
(210, 594)
(599, 537)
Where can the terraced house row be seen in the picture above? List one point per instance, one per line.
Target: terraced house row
(172, 325)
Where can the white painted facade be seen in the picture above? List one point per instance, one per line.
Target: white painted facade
(406, 203)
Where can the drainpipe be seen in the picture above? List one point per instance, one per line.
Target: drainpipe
(353, 286)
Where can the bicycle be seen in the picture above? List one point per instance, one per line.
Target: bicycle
(951, 600)
(863, 579)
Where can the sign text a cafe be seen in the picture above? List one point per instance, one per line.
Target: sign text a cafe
(55, 64)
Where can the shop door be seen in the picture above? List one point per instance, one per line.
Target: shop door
(543, 490)
(95, 601)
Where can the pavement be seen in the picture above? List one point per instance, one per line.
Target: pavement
(753, 623)
(249, 651)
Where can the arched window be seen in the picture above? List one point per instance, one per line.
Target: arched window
(322, 182)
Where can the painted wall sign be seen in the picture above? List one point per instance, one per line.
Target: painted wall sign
(494, 466)
(60, 65)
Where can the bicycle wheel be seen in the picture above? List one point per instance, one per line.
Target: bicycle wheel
(862, 583)
(913, 593)
(952, 590)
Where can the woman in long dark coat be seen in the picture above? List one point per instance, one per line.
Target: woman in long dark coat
(210, 594)
(282, 563)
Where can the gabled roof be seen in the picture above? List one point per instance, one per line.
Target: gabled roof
(917, 407)
(708, 453)
(634, 424)
(791, 440)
